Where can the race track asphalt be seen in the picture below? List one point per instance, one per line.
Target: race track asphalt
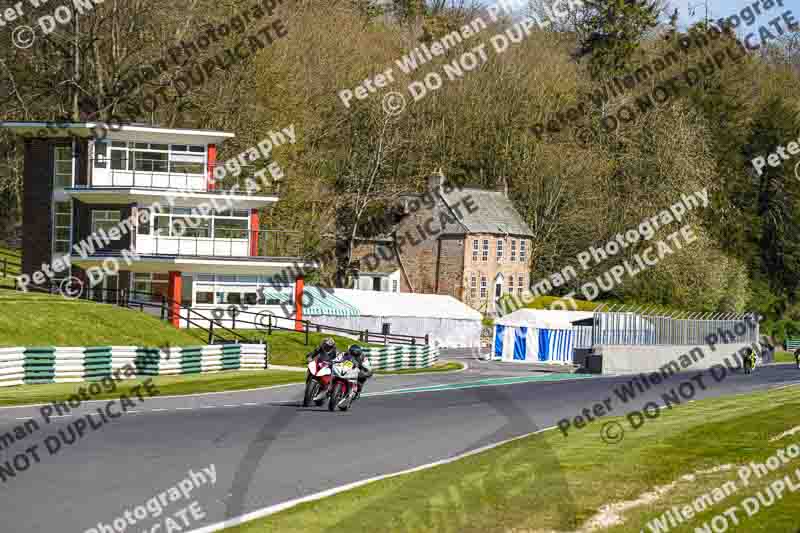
(266, 449)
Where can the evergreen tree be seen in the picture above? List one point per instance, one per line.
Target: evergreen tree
(610, 31)
(774, 210)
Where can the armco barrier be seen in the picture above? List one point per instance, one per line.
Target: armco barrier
(52, 364)
(402, 357)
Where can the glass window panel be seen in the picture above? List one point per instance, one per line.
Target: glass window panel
(230, 229)
(119, 144)
(150, 161)
(100, 155)
(250, 298)
(197, 149)
(204, 297)
(182, 210)
(141, 285)
(234, 298)
(144, 227)
(142, 145)
(182, 167)
(244, 213)
(196, 227)
(159, 147)
(161, 225)
(64, 167)
(179, 148)
(178, 227)
(105, 220)
(119, 160)
(62, 227)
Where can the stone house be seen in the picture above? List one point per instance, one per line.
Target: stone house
(468, 243)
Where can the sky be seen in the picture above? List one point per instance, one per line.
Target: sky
(720, 8)
(716, 9)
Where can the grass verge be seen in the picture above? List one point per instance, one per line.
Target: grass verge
(38, 319)
(550, 482)
(784, 357)
(166, 385)
(449, 366)
(289, 348)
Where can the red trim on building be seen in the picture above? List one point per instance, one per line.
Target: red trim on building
(253, 232)
(174, 292)
(212, 161)
(299, 285)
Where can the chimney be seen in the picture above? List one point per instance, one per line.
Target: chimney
(435, 181)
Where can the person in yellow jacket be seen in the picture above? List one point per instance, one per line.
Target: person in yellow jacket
(749, 361)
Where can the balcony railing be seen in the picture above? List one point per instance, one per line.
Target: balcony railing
(225, 243)
(156, 174)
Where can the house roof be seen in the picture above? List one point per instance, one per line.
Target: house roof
(494, 214)
(117, 132)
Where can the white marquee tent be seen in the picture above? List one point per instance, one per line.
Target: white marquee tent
(537, 335)
(449, 322)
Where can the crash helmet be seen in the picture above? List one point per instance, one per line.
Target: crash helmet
(328, 344)
(356, 351)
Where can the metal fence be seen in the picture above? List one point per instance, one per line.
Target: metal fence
(648, 326)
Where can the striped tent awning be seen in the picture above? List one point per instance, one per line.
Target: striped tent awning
(272, 295)
(323, 303)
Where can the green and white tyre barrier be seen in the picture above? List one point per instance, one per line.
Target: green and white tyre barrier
(254, 356)
(21, 365)
(12, 366)
(402, 357)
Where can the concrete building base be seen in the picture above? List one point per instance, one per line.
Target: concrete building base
(636, 359)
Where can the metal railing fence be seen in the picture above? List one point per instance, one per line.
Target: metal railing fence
(643, 325)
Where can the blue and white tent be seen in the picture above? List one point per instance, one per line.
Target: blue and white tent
(536, 336)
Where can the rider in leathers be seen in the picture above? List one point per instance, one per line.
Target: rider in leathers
(326, 352)
(364, 369)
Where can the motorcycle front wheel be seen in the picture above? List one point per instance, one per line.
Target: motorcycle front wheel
(312, 387)
(336, 395)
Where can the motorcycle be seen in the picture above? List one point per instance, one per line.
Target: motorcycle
(317, 377)
(344, 387)
(750, 364)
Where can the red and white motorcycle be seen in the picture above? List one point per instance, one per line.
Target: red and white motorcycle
(318, 378)
(344, 387)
